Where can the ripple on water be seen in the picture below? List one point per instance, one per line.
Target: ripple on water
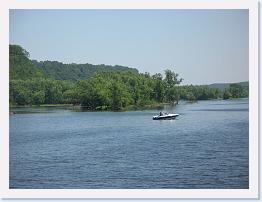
(205, 147)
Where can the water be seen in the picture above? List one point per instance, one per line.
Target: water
(205, 147)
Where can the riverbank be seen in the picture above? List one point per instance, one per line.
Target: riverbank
(85, 108)
(157, 106)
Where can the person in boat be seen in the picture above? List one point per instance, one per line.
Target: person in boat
(161, 114)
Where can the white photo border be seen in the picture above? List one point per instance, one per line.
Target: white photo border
(251, 193)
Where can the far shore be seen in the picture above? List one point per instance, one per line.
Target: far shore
(101, 108)
(157, 106)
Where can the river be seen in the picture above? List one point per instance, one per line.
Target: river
(205, 147)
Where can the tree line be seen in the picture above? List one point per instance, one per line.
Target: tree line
(21, 67)
(235, 91)
(74, 72)
(104, 90)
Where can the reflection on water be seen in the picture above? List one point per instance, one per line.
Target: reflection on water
(225, 110)
(205, 147)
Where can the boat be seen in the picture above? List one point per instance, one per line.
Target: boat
(165, 116)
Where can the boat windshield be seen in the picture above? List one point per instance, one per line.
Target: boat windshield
(163, 113)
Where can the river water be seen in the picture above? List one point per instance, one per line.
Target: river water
(205, 147)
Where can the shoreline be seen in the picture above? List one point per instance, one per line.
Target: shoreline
(85, 108)
(157, 106)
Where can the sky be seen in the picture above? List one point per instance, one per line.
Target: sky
(202, 46)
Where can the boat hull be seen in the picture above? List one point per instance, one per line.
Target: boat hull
(165, 117)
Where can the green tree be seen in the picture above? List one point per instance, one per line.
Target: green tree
(20, 66)
(158, 88)
(120, 96)
(226, 94)
(171, 80)
(235, 90)
(38, 97)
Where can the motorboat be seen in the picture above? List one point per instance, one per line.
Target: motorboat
(165, 116)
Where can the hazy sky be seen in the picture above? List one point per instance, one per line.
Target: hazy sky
(203, 46)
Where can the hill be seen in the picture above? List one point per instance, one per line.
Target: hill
(223, 86)
(61, 71)
(21, 67)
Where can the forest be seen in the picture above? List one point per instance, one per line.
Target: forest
(101, 87)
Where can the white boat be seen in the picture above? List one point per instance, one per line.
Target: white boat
(165, 116)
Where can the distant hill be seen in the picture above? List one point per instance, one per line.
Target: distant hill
(61, 71)
(222, 86)
(21, 67)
